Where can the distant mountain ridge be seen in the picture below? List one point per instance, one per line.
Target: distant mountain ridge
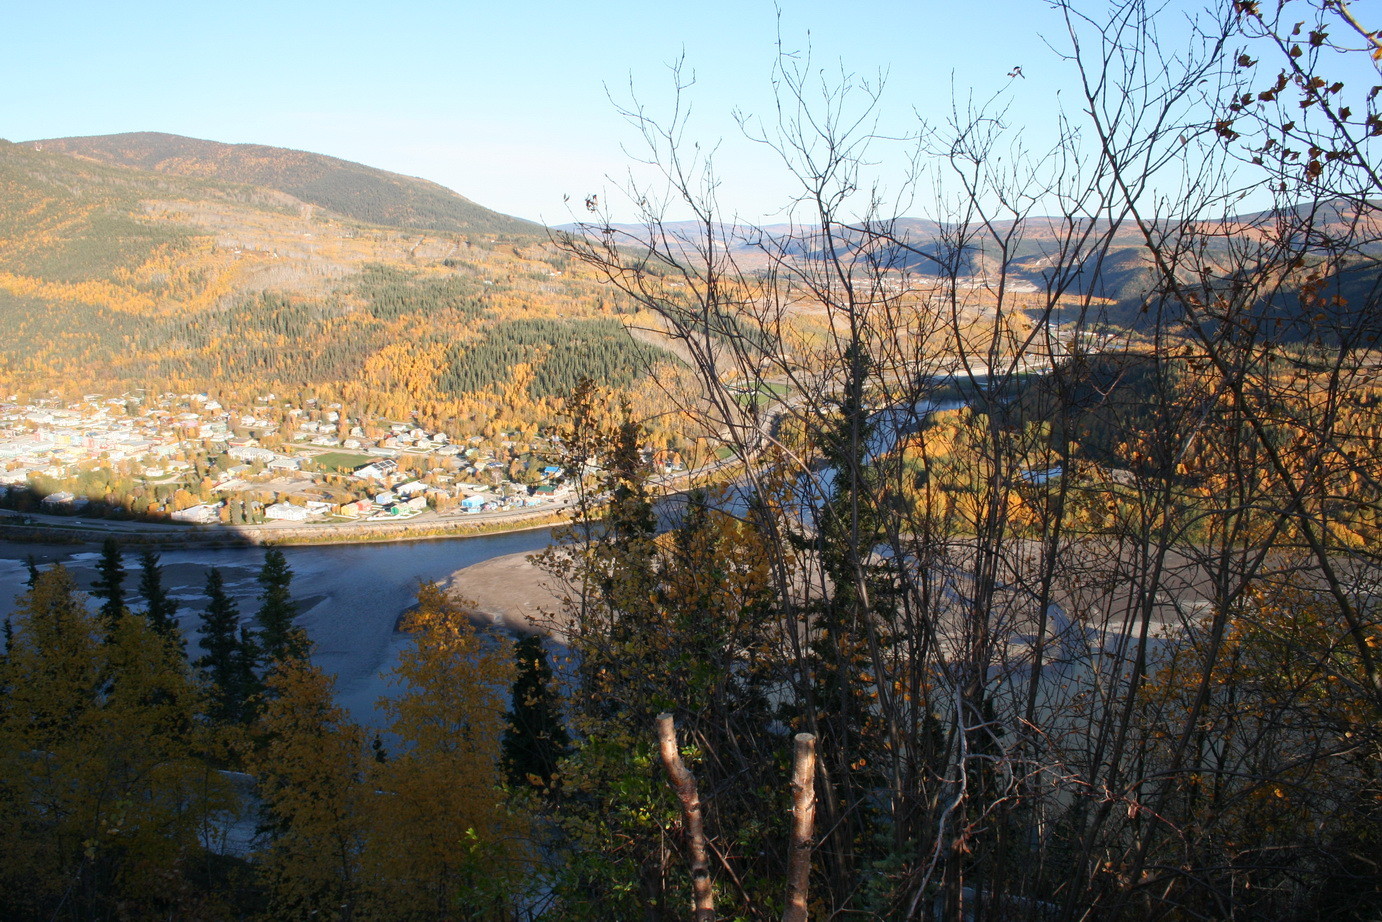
(919, 249)
(349, 189)
(1034, 251)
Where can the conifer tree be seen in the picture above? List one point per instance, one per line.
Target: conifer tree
(161, 610)
(109, 584)
(849, 529)
(659, 622)
(245, 666)
(280, 638)
(32, 565)
(223, 660)
(535, 740)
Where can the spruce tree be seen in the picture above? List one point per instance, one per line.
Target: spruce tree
(535, 740)
(4, 663)
(161, 610)
(248, 687)
(33, 571)
(109, 584)
(849, 528)
(222, 659)
(280, 638)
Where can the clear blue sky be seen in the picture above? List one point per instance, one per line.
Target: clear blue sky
(503, 102)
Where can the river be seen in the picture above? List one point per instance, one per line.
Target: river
(350, 595)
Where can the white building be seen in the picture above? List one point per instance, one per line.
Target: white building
(285, 512)
(203, 514)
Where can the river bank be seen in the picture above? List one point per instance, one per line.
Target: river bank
(55, 530)
(511, 591)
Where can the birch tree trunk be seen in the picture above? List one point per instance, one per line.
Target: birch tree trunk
(803, 828)
(684, 784)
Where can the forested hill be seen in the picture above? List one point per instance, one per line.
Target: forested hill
(115, 277)
(349, 189)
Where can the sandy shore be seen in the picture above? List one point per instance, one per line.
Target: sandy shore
(511, 590)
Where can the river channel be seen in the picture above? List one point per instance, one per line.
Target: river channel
(350, 595)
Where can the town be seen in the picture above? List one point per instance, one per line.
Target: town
(189, 459)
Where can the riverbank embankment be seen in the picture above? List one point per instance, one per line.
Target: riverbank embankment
(53, 530)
